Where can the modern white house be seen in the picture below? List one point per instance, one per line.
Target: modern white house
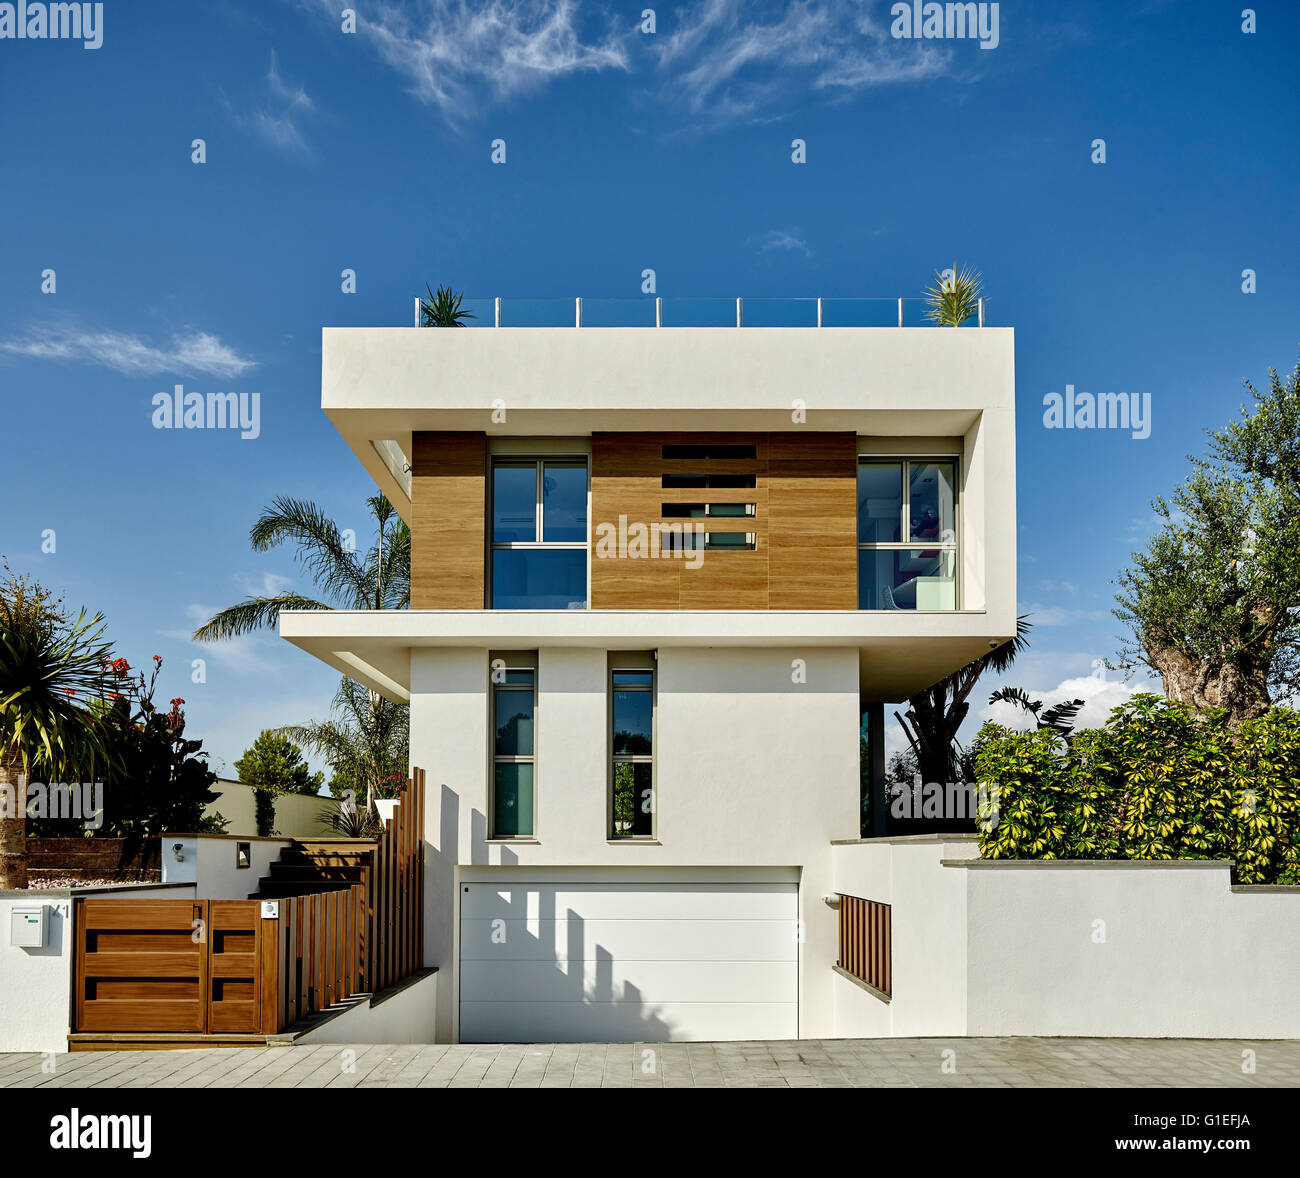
(659, 578)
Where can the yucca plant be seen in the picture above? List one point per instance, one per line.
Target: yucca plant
(442, 308)
(53, 674)
(955, 296)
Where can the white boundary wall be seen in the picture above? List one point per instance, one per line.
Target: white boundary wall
(1060, 948)
(405, 1015)
(296, 815)
(210, 862)
(36, 984)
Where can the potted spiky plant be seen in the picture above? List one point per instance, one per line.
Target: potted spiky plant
(954, 297)
(442, 308)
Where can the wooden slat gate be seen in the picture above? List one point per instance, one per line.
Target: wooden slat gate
(202, 966)
(222, 967)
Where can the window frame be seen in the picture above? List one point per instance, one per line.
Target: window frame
(632, 661)
(538, 461)
(907, 461)
(513, 661)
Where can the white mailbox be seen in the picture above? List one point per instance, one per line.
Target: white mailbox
(29, 928)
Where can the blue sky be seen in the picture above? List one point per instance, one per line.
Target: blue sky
(625, 151)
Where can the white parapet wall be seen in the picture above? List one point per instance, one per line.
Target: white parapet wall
(213, 863)
(36, 981)
(405, 1013)
(1069, 948)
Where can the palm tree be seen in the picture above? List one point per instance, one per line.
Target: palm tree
(955, 296)
(364, 742)
(53, 670)
(379, 579)
(442, 309)
(371, 734)
(934, 716)
(1059, 718)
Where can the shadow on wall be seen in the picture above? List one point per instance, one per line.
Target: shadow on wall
(573, 995)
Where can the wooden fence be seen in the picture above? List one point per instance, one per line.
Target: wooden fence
(865, 946)
(255, 966)
(397, 925)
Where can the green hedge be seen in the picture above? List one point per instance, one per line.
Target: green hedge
(1155, 783)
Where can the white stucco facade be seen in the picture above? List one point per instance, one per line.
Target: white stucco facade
(757, 713)
(757, 775)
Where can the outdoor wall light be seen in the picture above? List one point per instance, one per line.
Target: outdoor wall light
(178, 849)
(243, 855)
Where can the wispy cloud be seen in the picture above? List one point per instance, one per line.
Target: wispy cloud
(261, 584)
(453, 54)
(713, 63)
(242, 656)
(1055, 615)
(278, 112)
(188, 352)
(723, 63)
(789, 240)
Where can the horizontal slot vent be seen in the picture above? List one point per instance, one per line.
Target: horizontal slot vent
(706, 510)
(710, 450)
(673, 482)
(709, 541)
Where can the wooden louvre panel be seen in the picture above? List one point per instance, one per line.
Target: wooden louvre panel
(448, 519)
(804, 522)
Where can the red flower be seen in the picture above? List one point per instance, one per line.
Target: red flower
(69, 691)
(157, 658)
(177, 703)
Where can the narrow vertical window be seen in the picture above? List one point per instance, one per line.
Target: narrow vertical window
(632, 777)
(514, 758)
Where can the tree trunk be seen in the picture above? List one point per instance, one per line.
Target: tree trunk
(1205, 686)
(13, 825)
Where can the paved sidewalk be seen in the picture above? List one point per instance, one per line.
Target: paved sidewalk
(809, 1063)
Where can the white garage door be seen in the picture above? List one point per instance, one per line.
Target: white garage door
(628, 962)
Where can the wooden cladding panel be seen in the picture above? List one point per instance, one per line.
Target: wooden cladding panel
(448, 520)
(866, 942)
(805, 525)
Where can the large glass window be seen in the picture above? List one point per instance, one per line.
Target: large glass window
(539, 533)
(514, 758)
(632, 751)
(907, 533)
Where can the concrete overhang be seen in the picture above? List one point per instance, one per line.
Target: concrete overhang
(374, 647)
(381, 384)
